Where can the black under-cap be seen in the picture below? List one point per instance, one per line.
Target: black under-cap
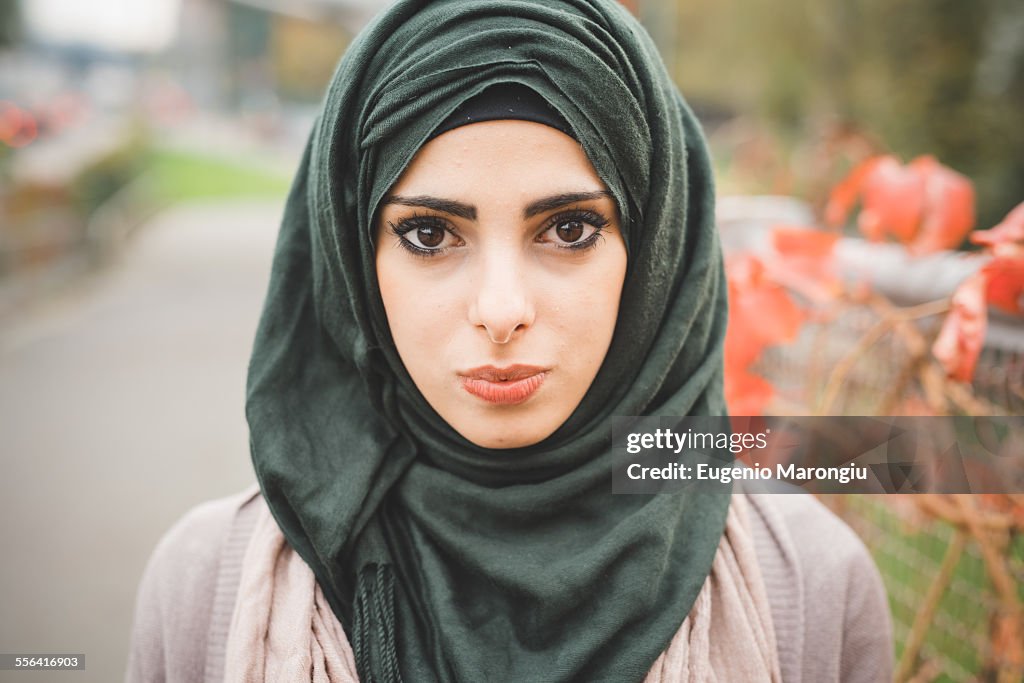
(504, 101)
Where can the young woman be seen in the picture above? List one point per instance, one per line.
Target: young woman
(501, 235)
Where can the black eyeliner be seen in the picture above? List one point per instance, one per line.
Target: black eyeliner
(414, 222)
(593, 218)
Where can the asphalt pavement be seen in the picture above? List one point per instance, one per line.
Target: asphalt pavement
(121, 406)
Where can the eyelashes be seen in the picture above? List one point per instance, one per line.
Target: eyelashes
(582, 217)
(412, 231)
(430, 236)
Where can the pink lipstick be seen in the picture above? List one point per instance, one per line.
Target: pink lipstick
(507, 386)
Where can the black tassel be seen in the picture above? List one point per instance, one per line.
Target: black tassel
(374, 643)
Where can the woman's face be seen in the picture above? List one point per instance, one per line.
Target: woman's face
(500, 260)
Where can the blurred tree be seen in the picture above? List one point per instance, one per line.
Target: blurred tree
(249, 31)
(304, 55)
(944, 77)
(10, 22)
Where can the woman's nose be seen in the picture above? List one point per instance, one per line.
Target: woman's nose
(502, 305)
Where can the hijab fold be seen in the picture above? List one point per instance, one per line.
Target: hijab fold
(444, 561)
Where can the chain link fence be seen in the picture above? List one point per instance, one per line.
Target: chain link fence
(953, 566)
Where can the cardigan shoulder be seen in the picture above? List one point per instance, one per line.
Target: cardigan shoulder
(185, 594)
(833, 623)
(827, 600)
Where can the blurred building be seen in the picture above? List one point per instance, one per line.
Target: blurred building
(252, 53)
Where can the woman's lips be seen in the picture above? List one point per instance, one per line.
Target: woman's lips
(508, 385)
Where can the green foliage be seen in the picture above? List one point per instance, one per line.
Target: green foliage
(181, 176)
(10, 22)
(942, 77)
(97, 182)
(303, 57)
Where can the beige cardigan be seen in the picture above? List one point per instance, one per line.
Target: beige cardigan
(827, 601)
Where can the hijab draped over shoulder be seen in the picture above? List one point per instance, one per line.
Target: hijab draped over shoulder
(444, 561)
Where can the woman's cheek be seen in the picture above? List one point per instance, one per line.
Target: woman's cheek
(431, 321)
(585, 320)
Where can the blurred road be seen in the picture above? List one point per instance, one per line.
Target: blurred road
(121, 405)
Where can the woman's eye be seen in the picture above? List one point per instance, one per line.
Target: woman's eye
(575, 231)
(424, 236)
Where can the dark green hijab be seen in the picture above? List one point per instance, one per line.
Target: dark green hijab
(442, 560)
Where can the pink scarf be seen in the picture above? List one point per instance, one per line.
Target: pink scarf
(283, 629)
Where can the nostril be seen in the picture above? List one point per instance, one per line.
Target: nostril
(499, 339)
(501, 303)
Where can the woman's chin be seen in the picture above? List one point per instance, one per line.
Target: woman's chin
(504, 432)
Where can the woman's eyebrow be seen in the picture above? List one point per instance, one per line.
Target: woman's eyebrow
(555, 201)
(436, 203)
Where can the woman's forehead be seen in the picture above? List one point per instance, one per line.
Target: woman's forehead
(503, 157)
